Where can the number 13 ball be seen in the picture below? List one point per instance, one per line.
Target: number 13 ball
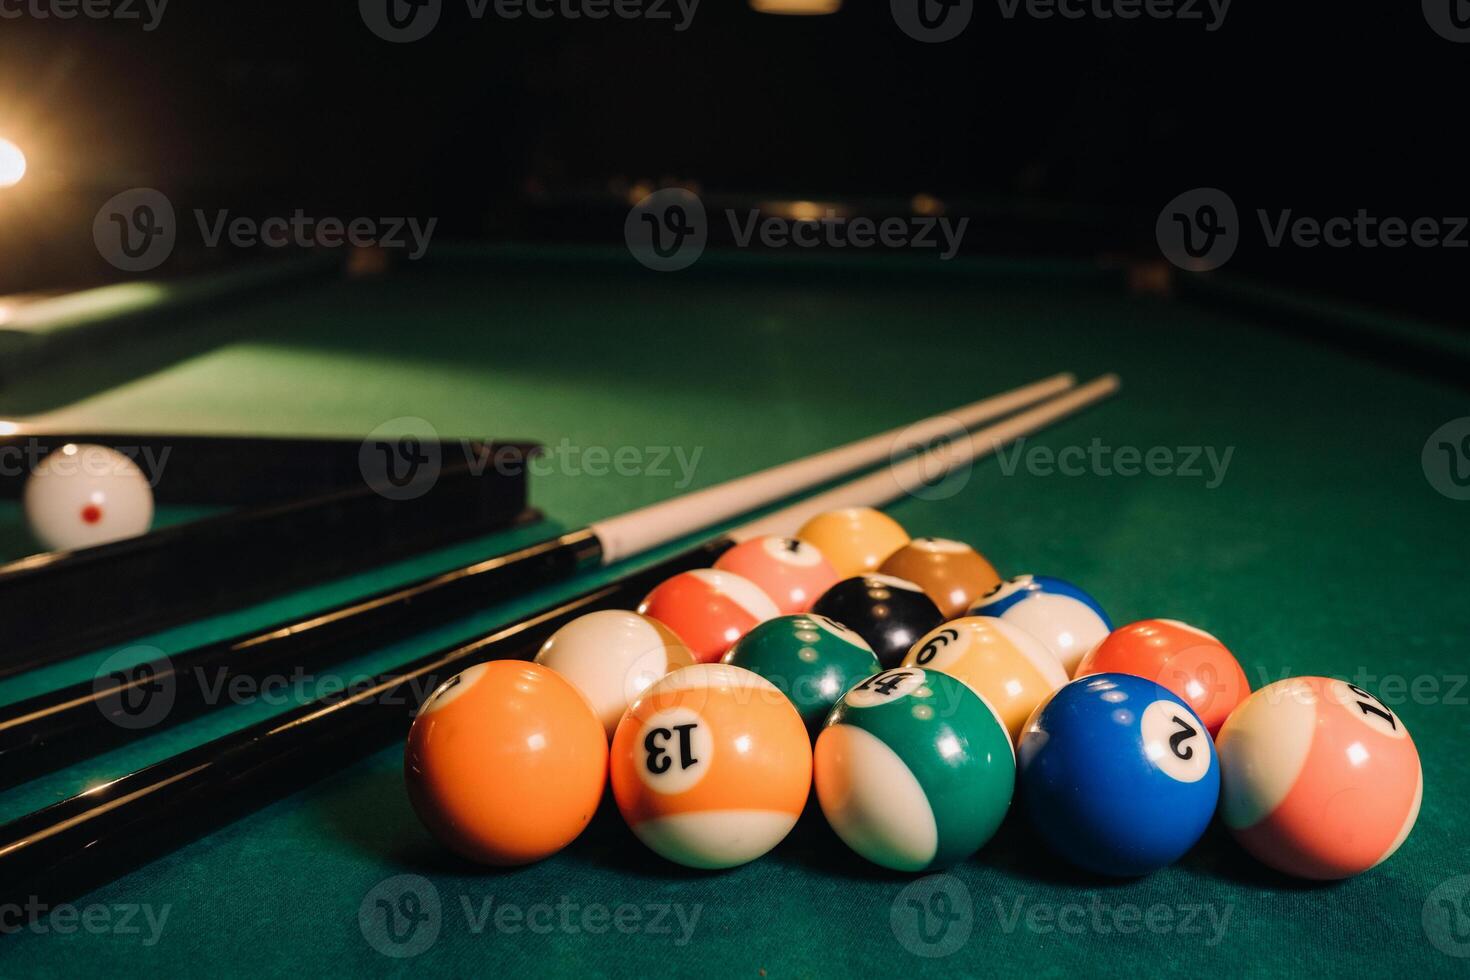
(711, 766)
(1118, 774)
(1320, 778)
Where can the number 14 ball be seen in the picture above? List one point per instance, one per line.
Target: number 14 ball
(1320, 778)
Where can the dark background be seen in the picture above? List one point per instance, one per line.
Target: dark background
(1060, 137)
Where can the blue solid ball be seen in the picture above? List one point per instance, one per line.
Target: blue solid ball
(1118, 775)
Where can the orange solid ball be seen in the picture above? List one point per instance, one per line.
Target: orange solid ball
(856, 540)
(506, 763)
(1185, 659)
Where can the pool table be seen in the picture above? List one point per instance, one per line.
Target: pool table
(1268, 483)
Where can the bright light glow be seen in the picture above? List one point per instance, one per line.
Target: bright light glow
(742, 744)
(1356, 754)
(948, 746)
(798, 7)
(8, 428)
(12, 164)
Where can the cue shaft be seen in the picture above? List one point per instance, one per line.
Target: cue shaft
(49, 731)
(61, 851)
(64, 850)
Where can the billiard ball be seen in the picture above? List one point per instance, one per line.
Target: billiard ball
(889, 613)
(1186, 660)
(952, 573)
(84, 495)
(709, 609)
(1118, 774)
(913, 770)
(855, 539)
(1057, 613)
(1320, 779)
(711, 766)
(791, 571)
(506, 763)
(812, 659)
(611, 656)
(1008, 667)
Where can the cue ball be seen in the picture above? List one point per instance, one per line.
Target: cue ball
(85, 495)
(709, 609)
(1118, 775)
(1008, 667)
(854, 539)
(914, 770)
(711, 766)
(889, 613)
(506, 763)
(1186, 660)
(951, 572)
(1057, 613)
(792, 572)
(1320, 779)
(612, 656)
(812, 659)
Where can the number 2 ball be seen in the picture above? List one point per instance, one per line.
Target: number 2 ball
(791, 571)
(889, 613)
(711, 766)
(1320, 779)
(1118, 775)
(913, 770)
(1188, 661)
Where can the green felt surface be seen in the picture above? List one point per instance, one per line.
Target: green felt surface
(1323, 549)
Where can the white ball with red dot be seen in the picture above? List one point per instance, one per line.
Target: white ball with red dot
(83, 495)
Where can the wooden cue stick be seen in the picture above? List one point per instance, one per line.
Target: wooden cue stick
(59, 852)
(55, 729)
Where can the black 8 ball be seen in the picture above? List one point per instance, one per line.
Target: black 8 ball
(890, 613)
